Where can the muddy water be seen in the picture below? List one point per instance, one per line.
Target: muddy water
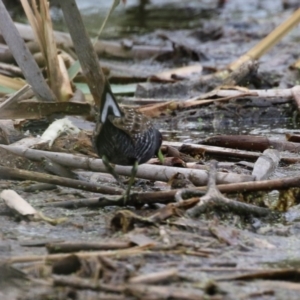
(243, 24)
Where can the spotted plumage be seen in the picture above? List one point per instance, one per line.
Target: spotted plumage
(124, 135)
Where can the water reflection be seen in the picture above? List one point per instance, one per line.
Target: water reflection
(140, 16)
(185, 130)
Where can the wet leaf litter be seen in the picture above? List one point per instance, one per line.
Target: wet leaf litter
(218, 222)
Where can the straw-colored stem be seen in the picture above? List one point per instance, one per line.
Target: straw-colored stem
(269, 41)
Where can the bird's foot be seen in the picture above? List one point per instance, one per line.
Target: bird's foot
(116, 200)
(130, 183)
(111, 170)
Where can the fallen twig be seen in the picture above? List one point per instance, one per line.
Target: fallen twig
(77, 184)
(55, 257)
(150, 172)
(213, 198)
(221, 151)
(139, 199)
(146, 291)
(156, 277)
(70, 204)
(85, 284)
(66, 247)
(270, 274)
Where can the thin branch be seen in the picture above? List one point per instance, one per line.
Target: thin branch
(213, 198)
(40, 177)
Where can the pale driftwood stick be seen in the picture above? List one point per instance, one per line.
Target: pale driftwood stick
(266, 164)
(151, 172)
(23, 208)
(23, 57)
(15, 202)
(155, 277)
(76, 184)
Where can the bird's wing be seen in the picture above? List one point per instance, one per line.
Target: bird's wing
(133, 122)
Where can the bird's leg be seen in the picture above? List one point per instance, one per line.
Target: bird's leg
(131, 180)
(111, 170)
(160, 156)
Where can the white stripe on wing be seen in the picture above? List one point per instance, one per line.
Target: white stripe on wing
(109, 106)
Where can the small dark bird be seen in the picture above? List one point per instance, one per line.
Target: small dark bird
(124, 136)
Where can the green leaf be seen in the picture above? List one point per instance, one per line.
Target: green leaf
(83, 87)
(6, 90)
(73, 70)
(160, 156)
(117, 89)
(120, 89)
